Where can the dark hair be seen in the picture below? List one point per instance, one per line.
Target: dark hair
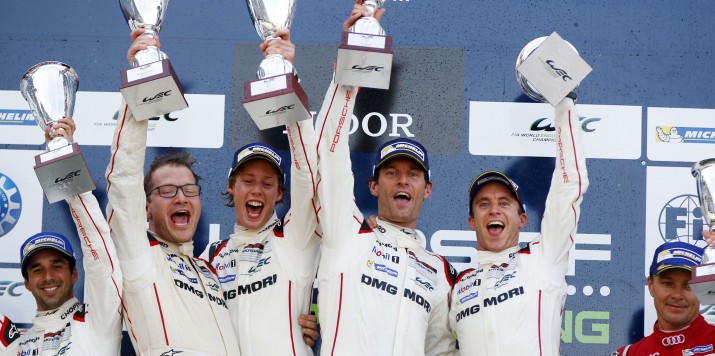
(174, 158)
(70, 261)
(232, 180)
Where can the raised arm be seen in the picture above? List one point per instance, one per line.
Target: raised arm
(102, 276)
(568, 184)
(126, 211)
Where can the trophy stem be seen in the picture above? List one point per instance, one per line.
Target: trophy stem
(57, 142)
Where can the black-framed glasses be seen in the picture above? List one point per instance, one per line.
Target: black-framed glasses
(170, 190)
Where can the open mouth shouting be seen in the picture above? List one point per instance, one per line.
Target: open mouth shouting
(254, 209)
(402, 198)
(495, 227)
(181, 217)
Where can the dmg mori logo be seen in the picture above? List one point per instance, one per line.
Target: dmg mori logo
(69, 176)
(367, 68)
(546, 124)
(280, 110)
(560, 72)
(681, 219)
(158, 96)
(10, 204)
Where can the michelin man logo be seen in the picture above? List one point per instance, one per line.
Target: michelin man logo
(681, 219)
(672, 134)
(10, 204)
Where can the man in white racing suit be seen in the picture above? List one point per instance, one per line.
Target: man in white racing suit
(173, 301)
(511, 303)
(63, 325)
(380, 291)
(268, 265)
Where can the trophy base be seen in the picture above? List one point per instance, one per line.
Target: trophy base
(364, 60)
(152, 90)
(63, 173)
(275, 101)
(703, 283)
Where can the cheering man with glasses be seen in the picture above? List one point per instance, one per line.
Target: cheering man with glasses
(174, 302)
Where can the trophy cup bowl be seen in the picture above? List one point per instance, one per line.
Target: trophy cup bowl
(148, 14)
(50, 89)
(269, 16)
(526, 87)
(703, 279)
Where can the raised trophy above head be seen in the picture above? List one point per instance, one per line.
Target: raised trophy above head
(276, 98)
(50, 89)
(548, 69)
(368, 24)
(151, 88)
(703, 280)
(270, 16)
(365, 52)
(147, 14)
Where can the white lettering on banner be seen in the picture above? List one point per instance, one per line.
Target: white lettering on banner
(526, 129)
(462, 244)
(399, 124)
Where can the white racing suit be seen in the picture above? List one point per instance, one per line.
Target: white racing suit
(512, 304)
(267, 274)
(92, 328)
(380, 292)
(173, 301)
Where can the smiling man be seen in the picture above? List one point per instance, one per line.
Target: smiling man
(518, 293)
(679, 329)
(380, 291)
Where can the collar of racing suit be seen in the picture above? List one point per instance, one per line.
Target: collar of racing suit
(57, 318)
(242, 236)
(489, 257)
(687, 331)
(405, 238)
(185, 249)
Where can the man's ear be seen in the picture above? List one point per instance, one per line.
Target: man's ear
(428, 190)
(75, 275)
(372, 184)
(523, 221)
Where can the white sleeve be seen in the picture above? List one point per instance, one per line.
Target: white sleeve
(102, 276)
(302, 219)
(335, 189)
(568, 184)
(126, 211)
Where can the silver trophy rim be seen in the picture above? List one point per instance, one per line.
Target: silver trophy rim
(34, 69)
(699, 166)
(525, 52)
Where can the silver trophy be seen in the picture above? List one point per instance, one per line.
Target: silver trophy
(703, 280)
(151, 88)
(276, 98)
(50, 89)
(365, 52)
(526, 87)
(148, 14)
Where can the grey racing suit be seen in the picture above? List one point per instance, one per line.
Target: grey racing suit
(174, 302)
(380, 292)
(512, 303)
